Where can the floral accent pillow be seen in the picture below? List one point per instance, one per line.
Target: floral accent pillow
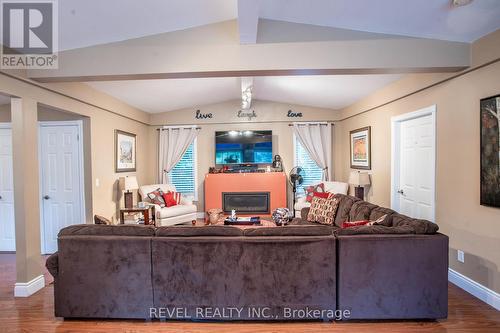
(156, 197)
(310, 190)
(323, 210)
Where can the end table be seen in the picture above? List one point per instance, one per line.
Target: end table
(144, 211)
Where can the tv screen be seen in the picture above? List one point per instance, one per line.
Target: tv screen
(241, 147)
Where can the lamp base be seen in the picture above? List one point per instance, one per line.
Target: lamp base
(129, 199)
(359, 192)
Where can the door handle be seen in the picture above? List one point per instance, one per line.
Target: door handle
(400, 192)
(0, 197)
(46, 197)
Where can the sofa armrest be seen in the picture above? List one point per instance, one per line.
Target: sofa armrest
(52, 264)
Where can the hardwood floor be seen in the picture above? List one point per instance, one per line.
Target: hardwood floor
(35, 314)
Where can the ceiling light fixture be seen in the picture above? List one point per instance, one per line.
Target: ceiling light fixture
(459, 3)
(246, 98)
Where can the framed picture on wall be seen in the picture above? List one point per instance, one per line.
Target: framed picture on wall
(490, 151)
(125, 149)
(360, 140)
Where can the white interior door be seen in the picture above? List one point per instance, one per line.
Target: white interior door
(61, 185)
(7, 222)
(414, 186)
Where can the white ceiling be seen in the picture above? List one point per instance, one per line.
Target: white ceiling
(436, 19)
(333, 92)
(92, 22)
(165, 95)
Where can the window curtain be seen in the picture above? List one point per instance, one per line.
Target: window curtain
(173, 143)
(316, 138)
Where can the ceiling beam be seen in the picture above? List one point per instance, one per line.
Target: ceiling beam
(248, 20)
(215, 51)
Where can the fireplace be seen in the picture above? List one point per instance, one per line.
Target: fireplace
(246, 202)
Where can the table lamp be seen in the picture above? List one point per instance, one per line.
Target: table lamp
(359, 180)
(128, 184)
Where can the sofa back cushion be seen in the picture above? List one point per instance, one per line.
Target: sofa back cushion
(344, 208)
(419, 226)
(378, 212)
(107, 230)
(199, 231)
(361, 210)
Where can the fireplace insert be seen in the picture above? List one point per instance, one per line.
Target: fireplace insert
(246, 202)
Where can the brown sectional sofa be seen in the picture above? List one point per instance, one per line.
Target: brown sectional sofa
(397, 270)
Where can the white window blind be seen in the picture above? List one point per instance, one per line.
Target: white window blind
(311, 172)
(183, 175)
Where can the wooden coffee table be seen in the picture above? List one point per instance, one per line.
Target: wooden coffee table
(263, 223)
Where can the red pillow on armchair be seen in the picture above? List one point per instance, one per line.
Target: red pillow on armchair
(172, 198)
(310, 190)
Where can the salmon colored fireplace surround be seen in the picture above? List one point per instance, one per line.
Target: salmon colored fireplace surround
(219, 183)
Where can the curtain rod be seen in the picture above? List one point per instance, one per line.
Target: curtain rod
(169, 127)
(312, 123)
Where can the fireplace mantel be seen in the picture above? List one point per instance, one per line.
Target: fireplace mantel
(219, 183)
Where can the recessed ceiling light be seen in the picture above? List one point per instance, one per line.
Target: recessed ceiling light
(459, 3)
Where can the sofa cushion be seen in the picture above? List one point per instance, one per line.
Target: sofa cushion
(323, 210)
(176, 210)
(290, 230)
(107, 230)
(419, 226)
(374, 229)
(378, 212)
(344, 208)
(194, 231)
(360, 210)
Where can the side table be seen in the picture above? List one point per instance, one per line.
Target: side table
(145, 212)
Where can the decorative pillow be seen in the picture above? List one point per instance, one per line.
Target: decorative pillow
(177, 197)
(364, 222)
(323, 210)
(156, 197)
(323, 195)
(169, 199)
(310, 190)
(354, 224)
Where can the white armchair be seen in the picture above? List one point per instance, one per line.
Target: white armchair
(333, 187)
(185, 212)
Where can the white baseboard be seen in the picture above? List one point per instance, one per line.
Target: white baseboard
(472, 287)
(26, 289)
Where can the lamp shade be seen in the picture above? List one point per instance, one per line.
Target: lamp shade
(128, 183)
(359, 179)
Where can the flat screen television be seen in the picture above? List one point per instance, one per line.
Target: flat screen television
(243, 147)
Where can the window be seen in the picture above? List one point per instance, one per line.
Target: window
(311, 172)
(183, 175)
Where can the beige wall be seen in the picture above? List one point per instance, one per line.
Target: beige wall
(473, 228)
(270, 116)
(103, 122)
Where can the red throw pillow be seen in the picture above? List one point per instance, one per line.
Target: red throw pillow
(169, 198)
(310, 190)
(323, 195)
(354, 224)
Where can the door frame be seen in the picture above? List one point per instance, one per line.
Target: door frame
(8, 125)
(396, 153)
(79, 124)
